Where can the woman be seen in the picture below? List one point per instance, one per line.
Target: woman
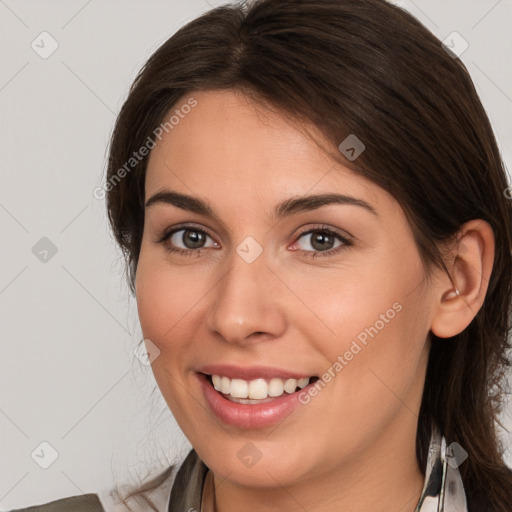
(311, 203)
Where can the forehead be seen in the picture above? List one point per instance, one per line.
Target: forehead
(228, 146)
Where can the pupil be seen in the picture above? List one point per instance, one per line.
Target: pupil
(319, 241)
(193, 240)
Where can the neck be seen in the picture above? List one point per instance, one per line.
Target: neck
(385, 477)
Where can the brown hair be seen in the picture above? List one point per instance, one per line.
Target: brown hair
(368, 68)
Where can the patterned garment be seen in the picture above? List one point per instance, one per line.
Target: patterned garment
(443, 490)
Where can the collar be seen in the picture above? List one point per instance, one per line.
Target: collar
(443, 490)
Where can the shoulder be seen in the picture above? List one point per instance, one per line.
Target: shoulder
(177, 488)
(152, 495)
(83, 503)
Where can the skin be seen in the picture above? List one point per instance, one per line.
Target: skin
(352, 447)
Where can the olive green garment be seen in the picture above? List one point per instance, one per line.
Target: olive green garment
(84, 503)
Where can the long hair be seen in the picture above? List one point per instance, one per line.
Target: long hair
(369, 68)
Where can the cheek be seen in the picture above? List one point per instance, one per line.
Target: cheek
(165, 304)
(377, 320)
(164, 297)
(349, 302)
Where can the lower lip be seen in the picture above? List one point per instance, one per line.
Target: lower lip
(246, 415)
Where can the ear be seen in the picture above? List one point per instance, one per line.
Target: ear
(460, 295)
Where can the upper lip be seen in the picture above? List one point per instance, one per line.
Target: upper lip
(250, 372)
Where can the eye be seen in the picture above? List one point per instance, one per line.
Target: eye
(189, 240)
(323, 240)
(186, 240)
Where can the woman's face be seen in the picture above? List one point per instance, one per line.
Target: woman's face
(264, 293)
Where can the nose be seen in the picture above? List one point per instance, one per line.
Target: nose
(246, 303)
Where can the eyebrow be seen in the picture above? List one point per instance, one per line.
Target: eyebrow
(283, 209)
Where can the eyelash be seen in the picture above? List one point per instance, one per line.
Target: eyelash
(310, 254)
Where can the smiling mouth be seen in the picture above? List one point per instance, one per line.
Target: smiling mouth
(256, 391)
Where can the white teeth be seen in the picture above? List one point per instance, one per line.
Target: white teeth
(257, 389)
(275, 387)
(302, 383)
(239, 388)
(216, 382)
(225, 385)
(290, 385)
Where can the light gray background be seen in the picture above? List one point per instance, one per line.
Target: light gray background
(68, 373)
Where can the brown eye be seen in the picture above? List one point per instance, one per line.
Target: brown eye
(186, 240)
(320, 240)
(190, 238)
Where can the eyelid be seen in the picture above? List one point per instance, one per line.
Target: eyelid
(344, 235)
(168, 232)
(346, 238)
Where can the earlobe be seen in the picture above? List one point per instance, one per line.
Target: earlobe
(460, 296)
